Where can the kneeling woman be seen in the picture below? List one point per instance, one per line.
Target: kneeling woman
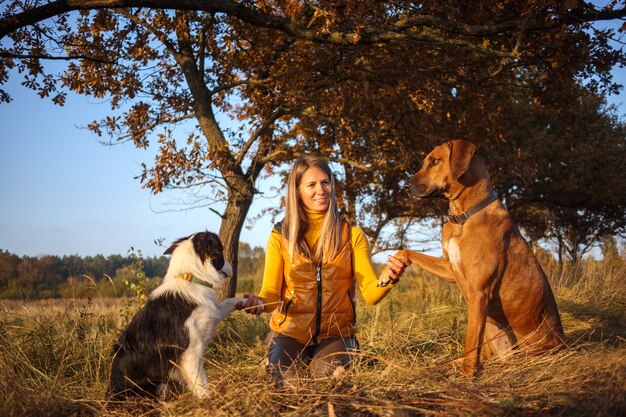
(313, 260)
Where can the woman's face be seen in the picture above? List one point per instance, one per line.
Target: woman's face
(314, 189)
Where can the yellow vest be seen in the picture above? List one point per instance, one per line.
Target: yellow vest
(317, 302)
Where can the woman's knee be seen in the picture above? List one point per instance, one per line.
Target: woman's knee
(282, 352)
(331, 354)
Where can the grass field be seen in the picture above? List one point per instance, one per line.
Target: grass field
(54, 359)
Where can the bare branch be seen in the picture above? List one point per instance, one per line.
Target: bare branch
(150, 127)
(221, 215)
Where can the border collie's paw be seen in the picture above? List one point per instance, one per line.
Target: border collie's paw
(229, 305)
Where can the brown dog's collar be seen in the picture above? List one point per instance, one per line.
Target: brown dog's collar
(463, 217)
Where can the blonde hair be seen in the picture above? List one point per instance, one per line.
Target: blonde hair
(295, 223)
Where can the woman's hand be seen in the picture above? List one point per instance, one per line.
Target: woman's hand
(253, 304)
(395, 267)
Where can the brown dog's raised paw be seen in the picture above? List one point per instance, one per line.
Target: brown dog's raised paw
(384, 280)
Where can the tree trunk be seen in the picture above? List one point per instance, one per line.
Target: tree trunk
(240, 185)
(237, 208)
(560, 252)
(349, 196)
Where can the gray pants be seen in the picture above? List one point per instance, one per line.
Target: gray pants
(323, 358)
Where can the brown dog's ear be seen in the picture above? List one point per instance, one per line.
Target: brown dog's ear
(461, 154)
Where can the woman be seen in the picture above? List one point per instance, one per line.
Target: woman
(313, 261)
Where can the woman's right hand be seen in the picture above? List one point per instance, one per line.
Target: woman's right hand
(253, 304)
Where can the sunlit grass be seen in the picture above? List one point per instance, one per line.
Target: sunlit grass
(55, 358)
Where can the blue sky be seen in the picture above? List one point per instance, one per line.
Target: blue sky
(63, 193)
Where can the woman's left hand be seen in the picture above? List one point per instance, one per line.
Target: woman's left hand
(253, 304)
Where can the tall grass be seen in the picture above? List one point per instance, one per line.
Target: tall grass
(55, 358)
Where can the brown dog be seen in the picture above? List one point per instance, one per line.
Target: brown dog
(510, 301)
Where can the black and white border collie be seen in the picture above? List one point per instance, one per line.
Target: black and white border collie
(161, 350)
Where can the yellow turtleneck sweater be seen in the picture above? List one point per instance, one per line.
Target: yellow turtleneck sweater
(362, 267)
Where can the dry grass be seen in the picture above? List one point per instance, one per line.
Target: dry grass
(54, 359)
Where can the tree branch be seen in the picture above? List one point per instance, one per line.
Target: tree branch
(283, 152)
(221, 215)
(150, 127)
(224, 87)
(162, 37)
(394, 31)
(54, 58)
(262, 130)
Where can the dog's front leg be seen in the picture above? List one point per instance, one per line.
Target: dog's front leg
(201, 328)
(436, 266)
(478, 302)
(229, 305)
(194, 374)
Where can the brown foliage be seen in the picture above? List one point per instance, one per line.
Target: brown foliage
(370, 85)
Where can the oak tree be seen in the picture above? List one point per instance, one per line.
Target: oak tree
(371, 85)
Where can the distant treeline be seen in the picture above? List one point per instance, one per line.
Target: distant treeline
(112, 276)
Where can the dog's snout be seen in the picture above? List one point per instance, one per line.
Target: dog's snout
(227, 270)
(408, 185)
